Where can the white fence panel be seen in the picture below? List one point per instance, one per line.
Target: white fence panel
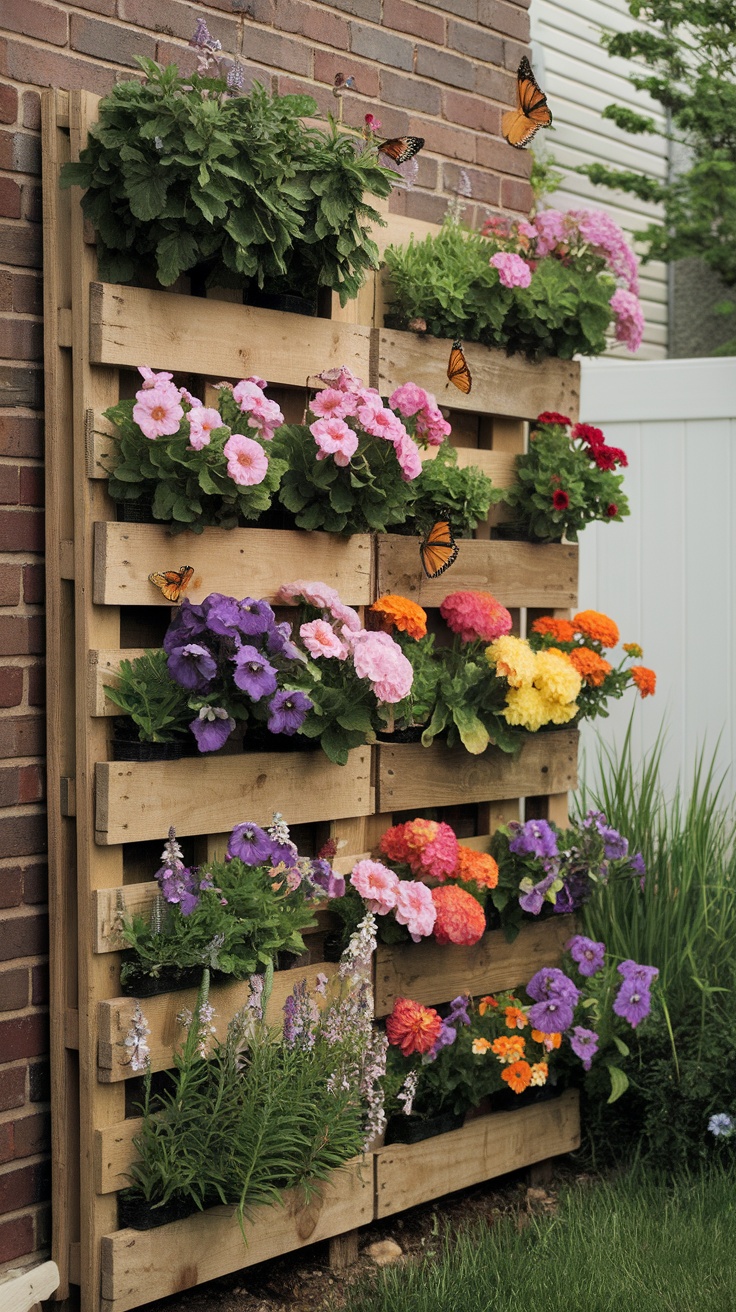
(667, 573)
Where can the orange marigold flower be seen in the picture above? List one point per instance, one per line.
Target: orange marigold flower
(401, 613)
(480, 1046)
(478, 867)
(645, 680)
(590, 666)
(633, 649)
(550, 1041)
(508, 1048)
(560, 630)
(412, 1027)
(460, 917)
(516, 1018)
(518, 1076)
(540, 1071)
(485, 1003)
(597, 626)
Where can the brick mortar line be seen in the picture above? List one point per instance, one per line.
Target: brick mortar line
(8, 1168)
(20, 913)
(30, 959)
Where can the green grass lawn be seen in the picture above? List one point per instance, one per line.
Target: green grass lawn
(634, 1245)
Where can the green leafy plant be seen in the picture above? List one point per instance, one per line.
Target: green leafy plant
(466, 494)
(180, 174)
(154, 701)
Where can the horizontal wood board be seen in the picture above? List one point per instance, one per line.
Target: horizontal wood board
(414, 776)
(485, 1147)
(431, 973)
(211, 794)
(502, 384)
(114, 1018)
(240, 562)
(516, 573)
(131, 326)
(139, 1266)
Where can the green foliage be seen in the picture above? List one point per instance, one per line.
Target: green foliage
(416, 707)
(545, 178)
(470, 699)
(688, 52)
(466, 494)
(447, 281)
(153, 700)
(180, 174)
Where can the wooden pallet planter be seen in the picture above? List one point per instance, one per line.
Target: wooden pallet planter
(516, 573)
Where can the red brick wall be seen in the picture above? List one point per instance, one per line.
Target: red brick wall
(441, 69)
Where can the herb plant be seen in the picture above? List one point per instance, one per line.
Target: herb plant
(465, 495)
(154, 701)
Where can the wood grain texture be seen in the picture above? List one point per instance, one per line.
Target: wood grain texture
(240, 562)
(415, 776)
(220, 340)
(139, 1266)
(431, 973)
(485, 1147)
(114, 1018)
(502, 384)
(516, 573)
(212, 794)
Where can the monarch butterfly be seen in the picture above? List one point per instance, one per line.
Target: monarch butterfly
(519, 125)
(438, 550)
(457, 369)
(400, 149)
(173, 582)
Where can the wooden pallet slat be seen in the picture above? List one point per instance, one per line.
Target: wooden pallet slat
(516, 573)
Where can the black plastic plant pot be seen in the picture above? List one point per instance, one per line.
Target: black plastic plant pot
(136, 512)
(124, 750)
(412, 1129)
(134, 1213)
(505, 1100)
(258, 739)
(412, 734)
(284, 302)
(140, 984)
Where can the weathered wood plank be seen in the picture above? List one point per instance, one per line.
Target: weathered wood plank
(139, 1266)
(241, 562)
(485, 1147)
(412, 775)
(130, 326)
(502, 384)
(516, 573)
(211, 794)
(430, 973)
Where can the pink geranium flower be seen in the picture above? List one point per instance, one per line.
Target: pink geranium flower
(409, 398)
(157, 411)
(247, 462)
(265, 416)
(320, 639)
(333, 437)
(342, 378)
(246, 393)
(333, 404)
(380, 660)
(512, 270)
(202, 420)
(415, 908)
(376, 884)
(407, 454)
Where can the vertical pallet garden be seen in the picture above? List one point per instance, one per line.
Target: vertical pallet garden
(102, 608)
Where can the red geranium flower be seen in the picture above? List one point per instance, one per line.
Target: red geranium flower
(560, 499)
(551, 417)
(612, 510)
(587, 433)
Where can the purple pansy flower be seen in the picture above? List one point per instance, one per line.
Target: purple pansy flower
(535, 838)
(192, 666)
(584, 1044)
(212, 728)
(633, 1002)
(255, 616)
(587, 953)
(253, 674)
(287, 712)
(250, 844)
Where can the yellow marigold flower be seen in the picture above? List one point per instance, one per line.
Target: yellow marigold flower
(485, 1003)
(540, 1071)
(597, 626)
(527, 708)
(508, 1048)
(516, 1018)
(550, 1041)
(558, 714)
(556, 677)
(480, 1046)
(401, 613)
(514, 660)
(518, 1077)
(633, 649)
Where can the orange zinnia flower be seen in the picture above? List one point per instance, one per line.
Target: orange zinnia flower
(518, 1076)
(515, 1018)
(645, 680)
(400, 613)
(508, 1049)
(560, 630)
(480, 867)
(485, 1003)
(590, 666)
(412, 1027)
(597, 626)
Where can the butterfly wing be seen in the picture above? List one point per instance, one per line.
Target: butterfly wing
(400, 149)
(438, 550)
(519, 125)
(172, 582)
(458, 371)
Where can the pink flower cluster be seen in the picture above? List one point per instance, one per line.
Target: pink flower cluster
(430, 426)
(323, 597)
(629, 318)
(512, 270)
(475, 615)
(158, 410)
(381, 661)
(383, 891)
(263, 414)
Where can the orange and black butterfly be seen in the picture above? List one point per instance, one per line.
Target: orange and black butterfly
(438, 550)
(519, 125)
(173, 582)
(457, 369)
(400, 149)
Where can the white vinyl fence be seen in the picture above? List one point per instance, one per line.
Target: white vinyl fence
(667, 573)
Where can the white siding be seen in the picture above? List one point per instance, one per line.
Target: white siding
(580, 79)
(666, 574)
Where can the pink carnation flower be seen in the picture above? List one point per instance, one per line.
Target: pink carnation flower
(333, 404)
(247, 462)
(376, 884)
(629, 318)
(202, 420)
(320, 639)
(333, 437)
(158, 412)
(475, 615)
(415, 908)
(380, 660)
(512, 270)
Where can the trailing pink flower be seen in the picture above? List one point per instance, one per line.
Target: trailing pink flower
(158, 411)
(376, 884)
(334, 438)
(247, 462)
(629, 318)
(512, 270)
(415, 908)
(202, 420)
(320, 639)
(333, 404)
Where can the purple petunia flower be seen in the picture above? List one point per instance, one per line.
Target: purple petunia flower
(552, 1015)
(587, 953)
(192, 666)
(287, 712)
(532, 900)
(584, 1044)
(278, 643)
(575, 892)
(458, 1013)
(445, 1039)
(255, 616)
(253, 674)
(212, 728)
(322, 874)
(633, 1002)
(250, 844)
(550, 982)
(187, 624)
(615, 846)
(643, 975)
(222, 614)
(283, 851)
(535, 838)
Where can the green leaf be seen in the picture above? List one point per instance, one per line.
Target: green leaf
(619, 1082)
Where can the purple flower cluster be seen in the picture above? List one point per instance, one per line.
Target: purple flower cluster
(555, 999)
(224, 648)
(300, 1017)
(588, 954)
(180, 886)
(615, 846)
(535, 838)
(633, 1001)
(457, 1015)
